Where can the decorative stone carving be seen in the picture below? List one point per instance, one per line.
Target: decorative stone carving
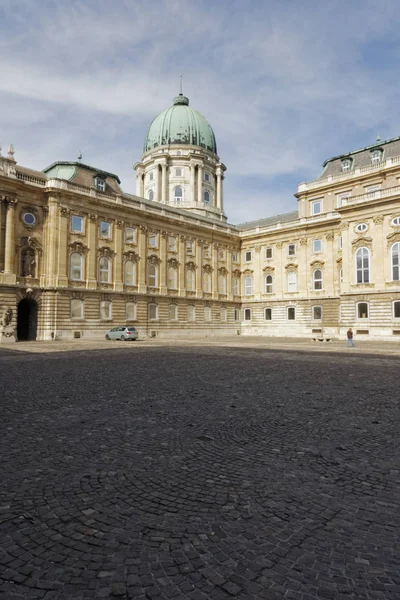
(190, 266)
(392, 238)
(183, 238)
(223, 271)
(143, 228)
(7, 331)
(303, 242)
(92, 217)
(78, 247)
(77, 295)
(279, 244)
(330, 236)
(268, 270)
(173, 262)
(236, 273)
(248, 272)
(362, 241)
(153, 259)
(119, 224)
(65, 212)
(317, 264)
(291, 267)
(106, 297)
(131, 255)
(164, 233)
(378, 219)
(207, 269)
(106, 251)
(28, 262)
(345, 225)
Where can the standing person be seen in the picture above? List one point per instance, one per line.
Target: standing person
(350, 338)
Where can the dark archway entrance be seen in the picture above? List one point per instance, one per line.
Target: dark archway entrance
(27, 320)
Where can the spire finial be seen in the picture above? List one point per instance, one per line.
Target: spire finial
(378, 138)
(180, 86)
(80, 156)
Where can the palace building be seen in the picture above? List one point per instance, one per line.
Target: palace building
(79, 256)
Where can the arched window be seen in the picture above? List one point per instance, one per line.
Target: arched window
(248, 286)
(268, 284)
(206, 282)
(178, 194)
(130, 273)
(104, 270)
(362, 265)
(247, 314)
(76, 266)
(151, 195)
(76, 308)
(206, 197)
(28, 262)
(222, 283)
(396, 261)
(292, 281)
(172, 278)
(130, 311)
(190, 280)
(317, 279)
(152, 276)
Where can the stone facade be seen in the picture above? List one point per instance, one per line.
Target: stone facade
(78, 256)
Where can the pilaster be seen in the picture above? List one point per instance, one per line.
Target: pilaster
(92, 254)
(52, 241)
(118, 283)
(181, 254)
(9, 251)
(200, 183)
(214, 277)
(163, 264)
(63, 220)
(142, 264)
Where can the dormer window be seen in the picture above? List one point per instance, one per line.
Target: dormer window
(100, 184)
(376, 157)
(346, 165)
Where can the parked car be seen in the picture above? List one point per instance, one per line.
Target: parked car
(122, 333)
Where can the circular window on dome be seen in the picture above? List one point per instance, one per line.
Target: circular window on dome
(29, 219)
(361, 227)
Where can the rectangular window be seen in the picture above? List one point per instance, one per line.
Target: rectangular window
(235, 286)
(317, 313)
(191, 313)
(316, 207)
(317, 246)
(248, 286)
(396, 309)
(151, 176)
(189, 247)
(223, 315)
(207, 313)
(206, 177)
(153, 312)
(130, 311)
(76, 309)
(291, 313)
(371, 189)
(206, 251)
(172, 243)
(235, 257)
(342, 200)
(76, 224)
(248, 256)
(105, 229)
(268, 253)
(362, 310)
(268, 314)
(152, 240)
(130, 235)
(291, 249)
(105, 310)
(100, 184)
(237, 314)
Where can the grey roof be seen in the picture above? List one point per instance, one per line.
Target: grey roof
(285, 218)
(361, 157)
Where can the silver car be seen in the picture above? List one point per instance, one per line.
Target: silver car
(122, 333)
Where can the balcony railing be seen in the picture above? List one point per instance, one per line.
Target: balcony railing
(348, 175)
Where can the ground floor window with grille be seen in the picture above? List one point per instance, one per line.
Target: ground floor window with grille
(268, 314)
(153, 312)
(77, 309)
(291, 313)
(317, 313)
(105, 310)
(247, 314)
(130, 311)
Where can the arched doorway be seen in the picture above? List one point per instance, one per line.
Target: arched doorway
(27, 320)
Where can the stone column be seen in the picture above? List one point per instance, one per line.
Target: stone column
(52, 241)
(142, 263)
(219, 189)
(200, 184)
(192, 183)
(62, 275)
(157, 187)
(163, 183)
(9, 251)
(2, 224)
(91, 260)
(139, 184)
(163, 265)
(181, 254)
(118, 283)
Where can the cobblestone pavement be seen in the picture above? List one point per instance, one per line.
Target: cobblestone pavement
(193, 473)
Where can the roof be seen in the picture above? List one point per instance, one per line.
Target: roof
(31, 172)
(180, 124)
(285, 218)
(361, 157)
(96, 171)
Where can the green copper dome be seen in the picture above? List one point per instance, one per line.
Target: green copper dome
(180, 124)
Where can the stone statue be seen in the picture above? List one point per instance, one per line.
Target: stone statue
(7, 332)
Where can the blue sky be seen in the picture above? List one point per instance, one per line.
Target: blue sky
(285, 84)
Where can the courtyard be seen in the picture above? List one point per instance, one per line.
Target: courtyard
(200, 470)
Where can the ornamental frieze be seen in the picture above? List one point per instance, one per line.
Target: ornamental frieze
(392, 238)
(153, 259)
(106, 251)
(236, 273)
(268, 269)
(248, 272)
